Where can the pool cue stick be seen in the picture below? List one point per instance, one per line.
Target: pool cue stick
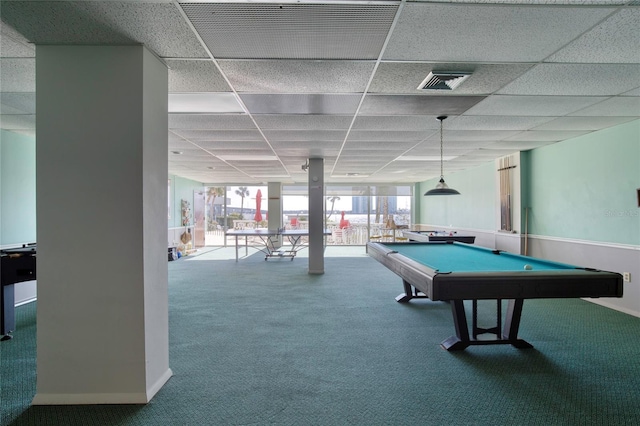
(526, 230)
(508, 176)
(502, 218)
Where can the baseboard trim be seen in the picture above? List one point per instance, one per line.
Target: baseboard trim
(89, 398)
(102, 398)
(614, 307)
(153, 389)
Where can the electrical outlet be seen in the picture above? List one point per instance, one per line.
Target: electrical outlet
(626, 277)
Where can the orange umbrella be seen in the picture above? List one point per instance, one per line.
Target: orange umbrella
(258, 216)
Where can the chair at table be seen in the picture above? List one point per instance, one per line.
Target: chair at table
(376, 235)
(336, 235)
(388, 235)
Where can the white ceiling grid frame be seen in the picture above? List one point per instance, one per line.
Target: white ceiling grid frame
(607, 44)
(371, 77)
(215, 62)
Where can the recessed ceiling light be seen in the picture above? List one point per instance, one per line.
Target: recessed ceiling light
(176, 152)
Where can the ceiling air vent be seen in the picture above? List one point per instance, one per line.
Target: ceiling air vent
(441, 80)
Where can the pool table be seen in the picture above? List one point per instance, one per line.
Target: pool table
(425, 236)
(455, 272)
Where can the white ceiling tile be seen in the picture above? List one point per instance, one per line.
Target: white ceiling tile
(305, 135)
(546, 135)
(18, 74)
(246, 147)
(298, 76)
(488, 122)
(331, 104)
(621, 106)
(576, 79)
(211, 122)
(543, 106)
(450, 32)
(17, 103)
(303, 122)
(292, 31)
(583, 123)
(219, 135)
(195, 76)
(158, 26)
(473, 135)
(304, 107)
(218, 103)
(416, 123)
(417, 104)
(401, 77)
(18, 122)
(377, 146)
(13, 44)
(616, 40)
(517, 146)
(381, 135)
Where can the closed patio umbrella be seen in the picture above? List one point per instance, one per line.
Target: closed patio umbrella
(258, 216)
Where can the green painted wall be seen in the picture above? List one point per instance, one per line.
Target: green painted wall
(475, 206)
(181, 189)
(17, 188)
(585, 188)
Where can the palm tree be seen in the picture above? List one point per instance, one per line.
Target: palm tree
(333, 202)
(212, 193)
(242, 191)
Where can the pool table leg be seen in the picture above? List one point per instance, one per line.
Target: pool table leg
(461, 340)
(512, 324)
(410, 292)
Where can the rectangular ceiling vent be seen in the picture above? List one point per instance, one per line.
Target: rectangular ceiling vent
(440, 80)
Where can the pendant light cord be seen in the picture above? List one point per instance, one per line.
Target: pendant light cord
(441, 151)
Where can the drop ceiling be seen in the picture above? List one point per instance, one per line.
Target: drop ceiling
(256, 88)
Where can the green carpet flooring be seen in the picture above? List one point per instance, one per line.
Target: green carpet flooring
(261, 342)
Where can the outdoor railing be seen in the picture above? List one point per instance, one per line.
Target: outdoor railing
(353, 235)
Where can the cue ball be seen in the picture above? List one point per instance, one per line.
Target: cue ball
(528, 267)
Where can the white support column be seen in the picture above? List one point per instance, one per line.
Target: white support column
(101, 194)
(316, 216)
(274, 207)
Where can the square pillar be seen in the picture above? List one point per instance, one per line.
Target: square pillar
(316, 216)
(274, 208)
(101, 165)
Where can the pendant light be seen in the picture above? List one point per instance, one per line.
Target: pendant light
(442, 188)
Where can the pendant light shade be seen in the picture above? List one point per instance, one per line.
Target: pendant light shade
(441, 188)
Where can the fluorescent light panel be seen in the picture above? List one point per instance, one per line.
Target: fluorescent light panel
(218, 103)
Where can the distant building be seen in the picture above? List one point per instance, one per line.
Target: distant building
(359, 205)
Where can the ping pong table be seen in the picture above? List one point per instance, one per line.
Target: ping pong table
(268, 241)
